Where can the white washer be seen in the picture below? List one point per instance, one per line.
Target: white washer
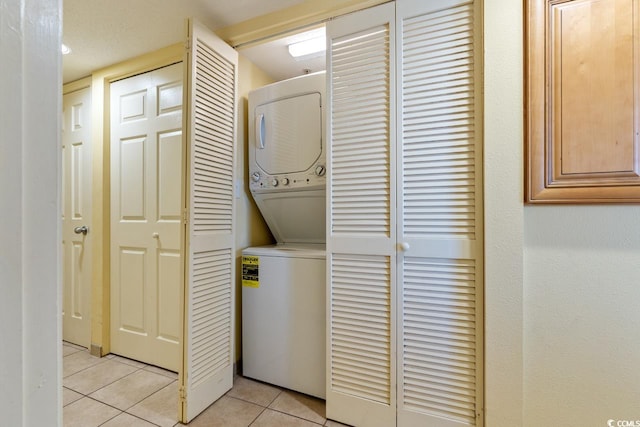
(283, 316)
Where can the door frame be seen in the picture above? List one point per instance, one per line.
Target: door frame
(76, 85)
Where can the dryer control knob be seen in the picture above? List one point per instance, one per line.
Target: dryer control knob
(255, 177)
(274, 182)
(320, 170)
(285, 181)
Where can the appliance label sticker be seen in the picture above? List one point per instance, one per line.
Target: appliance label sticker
(250, 275)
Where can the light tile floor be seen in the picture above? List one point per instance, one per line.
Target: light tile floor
(117, 392)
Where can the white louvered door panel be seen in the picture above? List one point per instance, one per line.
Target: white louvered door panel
(361, 231)
(211, 79)
(440, 214)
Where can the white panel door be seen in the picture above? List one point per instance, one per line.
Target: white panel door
(361, 234)
(146, 216)
(210, 123)
(440, 214)
(76, 205)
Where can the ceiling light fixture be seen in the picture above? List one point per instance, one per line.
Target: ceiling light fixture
(307, 47)
(65, 49)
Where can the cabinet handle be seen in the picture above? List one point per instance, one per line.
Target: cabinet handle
(404, 246)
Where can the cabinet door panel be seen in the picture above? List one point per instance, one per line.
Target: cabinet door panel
(583, 135)
(593, 96)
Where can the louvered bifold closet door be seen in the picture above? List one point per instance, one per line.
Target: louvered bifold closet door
(361, 234)
(440, 214)
(211, 80)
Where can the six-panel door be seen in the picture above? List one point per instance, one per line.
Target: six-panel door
(146, 216)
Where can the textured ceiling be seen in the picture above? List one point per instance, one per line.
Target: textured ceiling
(274, 59)
(101, 33)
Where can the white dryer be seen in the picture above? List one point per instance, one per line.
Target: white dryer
(284, 286)
(287, 157)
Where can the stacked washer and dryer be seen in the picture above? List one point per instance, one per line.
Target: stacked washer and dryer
(284, 286)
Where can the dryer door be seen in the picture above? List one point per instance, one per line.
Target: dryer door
(288, 134)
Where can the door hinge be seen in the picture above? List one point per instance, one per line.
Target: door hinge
(185, 216)
(183, 394)
(187, 43)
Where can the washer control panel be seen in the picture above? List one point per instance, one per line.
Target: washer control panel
(315, 176)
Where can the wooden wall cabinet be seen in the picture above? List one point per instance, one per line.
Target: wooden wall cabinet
(582, 101)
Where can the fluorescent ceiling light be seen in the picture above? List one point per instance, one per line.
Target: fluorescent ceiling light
(65, 49)
(309, 46)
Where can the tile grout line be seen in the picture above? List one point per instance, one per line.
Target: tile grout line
(135, 416)
(136, 369)
(155, 392)
(172, 376)
(174, 380)
(274, 399)
(245, 401)
(264, 408)
(106, 385)
(104, 403)
(110, 418)
(118, 409)
(249, 401)
(296, 416)
(129, 407)
(257, 416)
(290, 415)
(286, 413)
(121, 411)
(84, 369)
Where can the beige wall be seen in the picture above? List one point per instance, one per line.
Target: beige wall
(581, 314)
(251, 229)
(562, 282)
(503, 213)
